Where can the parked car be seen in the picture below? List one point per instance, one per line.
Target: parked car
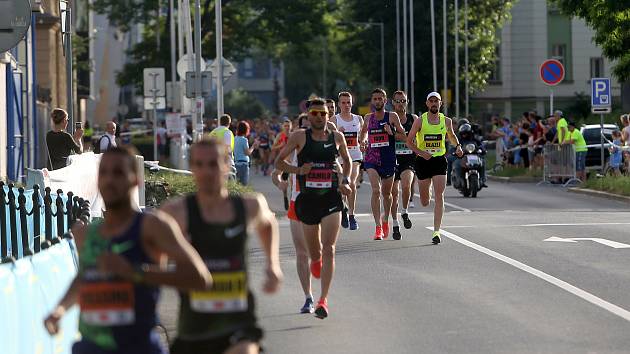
(592, 133)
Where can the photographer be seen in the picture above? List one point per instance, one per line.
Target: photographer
(60, 144)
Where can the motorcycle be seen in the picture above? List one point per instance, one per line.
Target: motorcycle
(467, 178)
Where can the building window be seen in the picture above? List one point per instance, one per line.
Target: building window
(597, 67)
(495, 73)
(559, 52)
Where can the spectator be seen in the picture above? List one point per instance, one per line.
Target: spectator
(576, 138)
(60, 144)
(224, 134)
(625, 131)
(561, 126)
(162, 139)
(107, 140)
(242, 152)
(616, 157)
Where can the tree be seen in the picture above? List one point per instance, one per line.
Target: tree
(611, 22)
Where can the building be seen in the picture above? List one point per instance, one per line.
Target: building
(536, 32)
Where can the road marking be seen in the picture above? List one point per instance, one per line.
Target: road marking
(612, 308)
(603, 241)
(465, 210)
(532, 225)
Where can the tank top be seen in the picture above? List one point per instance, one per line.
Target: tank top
(229, 304)
(115, 313)
(351, 131)
(323, 175)
(432, 137)
(381, 146)
(403, 152)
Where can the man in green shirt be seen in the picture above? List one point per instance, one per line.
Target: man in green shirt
(575, 137)
(563, 133)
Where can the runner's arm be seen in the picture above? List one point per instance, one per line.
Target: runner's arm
(292, 145)
(263, 220)
(345, 155)
(364, 130)
(452, 137)
(400, 131)
(411, 138)
(164, 237)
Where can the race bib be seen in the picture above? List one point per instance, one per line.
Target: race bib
(320, 176)
(352, 140)
(433, 143)
(378, 138)
(402, 149)
(228, 294)
(108, 303)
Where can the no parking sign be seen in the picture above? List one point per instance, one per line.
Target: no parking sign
(551, 73)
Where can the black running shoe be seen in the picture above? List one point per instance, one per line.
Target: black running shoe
(406, 221)
(396, 233)
(344, 218)
(436, 237)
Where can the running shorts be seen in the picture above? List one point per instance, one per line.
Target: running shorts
(217, 345)
(311, 208)
(435, 166)
(407, 163)
(384, 171)
(291, 213)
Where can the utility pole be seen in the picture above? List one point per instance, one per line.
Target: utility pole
(397, 44)
(467, 84)
(405, 50)
(219, 31)
(413, 59)
(445, 64)
(457, 58)
(433, 49)
(171, 8)
(198, 97)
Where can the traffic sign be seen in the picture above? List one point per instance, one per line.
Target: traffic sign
(228, 69)
(158, 103)
(552, 72)
(191, 84)
(154, 82)
(187, 63)
(601, 98)
(14, 22)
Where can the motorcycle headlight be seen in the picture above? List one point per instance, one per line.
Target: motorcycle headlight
(470, 148)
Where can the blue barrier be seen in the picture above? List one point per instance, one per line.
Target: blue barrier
(29, 289)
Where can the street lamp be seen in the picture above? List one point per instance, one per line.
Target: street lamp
(65, 14)
(382, 27)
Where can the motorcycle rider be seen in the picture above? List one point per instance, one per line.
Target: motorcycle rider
(466, 136)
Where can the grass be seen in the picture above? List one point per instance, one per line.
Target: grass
(616, 185)
(509, 171)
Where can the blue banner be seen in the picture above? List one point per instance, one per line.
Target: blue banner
(29, 289)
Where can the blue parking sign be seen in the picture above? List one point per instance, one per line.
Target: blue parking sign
(601, 98)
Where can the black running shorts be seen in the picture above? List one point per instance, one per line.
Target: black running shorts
(311, 208)
(435, 166)
(217, 345)
(406, 163)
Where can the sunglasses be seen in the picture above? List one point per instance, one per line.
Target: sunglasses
(400, 101)
(315, 112)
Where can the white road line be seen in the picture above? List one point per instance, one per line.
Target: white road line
(614, 309)
(465, 210)
(578, 224)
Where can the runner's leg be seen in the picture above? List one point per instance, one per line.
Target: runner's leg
(406, 184)
(439, 184)
(425, 194)
(329, 232)
(301, 253)
(353, 186)
(394, 208)
(375, 181)
(311, 236)
(386, 190)
(244, 347)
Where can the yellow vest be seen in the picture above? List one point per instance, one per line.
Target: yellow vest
(432, 137)
(219, 134)
(580, 143)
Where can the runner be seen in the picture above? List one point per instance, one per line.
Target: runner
(405, 167)
(222, 319)
(299, 242)
(427, 139)
(279, 143)
(350, 125)
(119, 267)
(378, 135)
(318, 206)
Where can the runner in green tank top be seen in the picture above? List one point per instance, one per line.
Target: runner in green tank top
(427, 140)
(222, 319)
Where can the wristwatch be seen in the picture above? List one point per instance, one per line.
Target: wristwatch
(345, 180)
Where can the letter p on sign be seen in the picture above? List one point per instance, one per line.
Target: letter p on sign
(600, 95)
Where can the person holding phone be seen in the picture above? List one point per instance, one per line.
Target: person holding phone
(60, 143)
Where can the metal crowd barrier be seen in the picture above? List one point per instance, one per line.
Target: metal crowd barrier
(21, 228)
(559, 164)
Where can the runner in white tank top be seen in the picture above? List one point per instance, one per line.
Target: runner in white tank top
(350, 125)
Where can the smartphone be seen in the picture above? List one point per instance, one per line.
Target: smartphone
(78, 125)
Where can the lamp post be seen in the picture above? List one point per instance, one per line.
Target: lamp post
(65, 14)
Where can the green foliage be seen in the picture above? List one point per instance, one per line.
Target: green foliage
(611, 22)
(617, 185)
(510, 171)
(580, 109)
(240, 104)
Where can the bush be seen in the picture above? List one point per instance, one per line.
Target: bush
(616, 185)
(511, 171)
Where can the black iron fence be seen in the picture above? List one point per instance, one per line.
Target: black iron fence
(26, 214)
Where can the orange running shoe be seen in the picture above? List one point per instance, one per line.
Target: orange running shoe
(316, 268)
(321, 311)
(385, 229)
(378, 235)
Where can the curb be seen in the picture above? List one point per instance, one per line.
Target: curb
(600, 194)
(518, 179)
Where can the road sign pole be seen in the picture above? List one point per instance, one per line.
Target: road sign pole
(550, 102)
(199, 98)
(219, 45)
(601, 140)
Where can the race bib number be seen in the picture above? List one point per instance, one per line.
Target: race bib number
(402, 149)
(228, 294)
(352, 140)
(378, 138)
(320, 176)
(107, 303)
(433, 143)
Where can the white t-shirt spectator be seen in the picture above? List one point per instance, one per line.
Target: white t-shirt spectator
(107, 143)
(161, 132)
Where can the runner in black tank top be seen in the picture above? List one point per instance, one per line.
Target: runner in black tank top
(319, 202)
(222, 318)
(405, 168)
(118, 278)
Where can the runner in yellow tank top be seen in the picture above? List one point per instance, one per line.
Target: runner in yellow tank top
(427, 139)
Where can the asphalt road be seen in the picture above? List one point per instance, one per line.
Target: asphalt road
(493, 286)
